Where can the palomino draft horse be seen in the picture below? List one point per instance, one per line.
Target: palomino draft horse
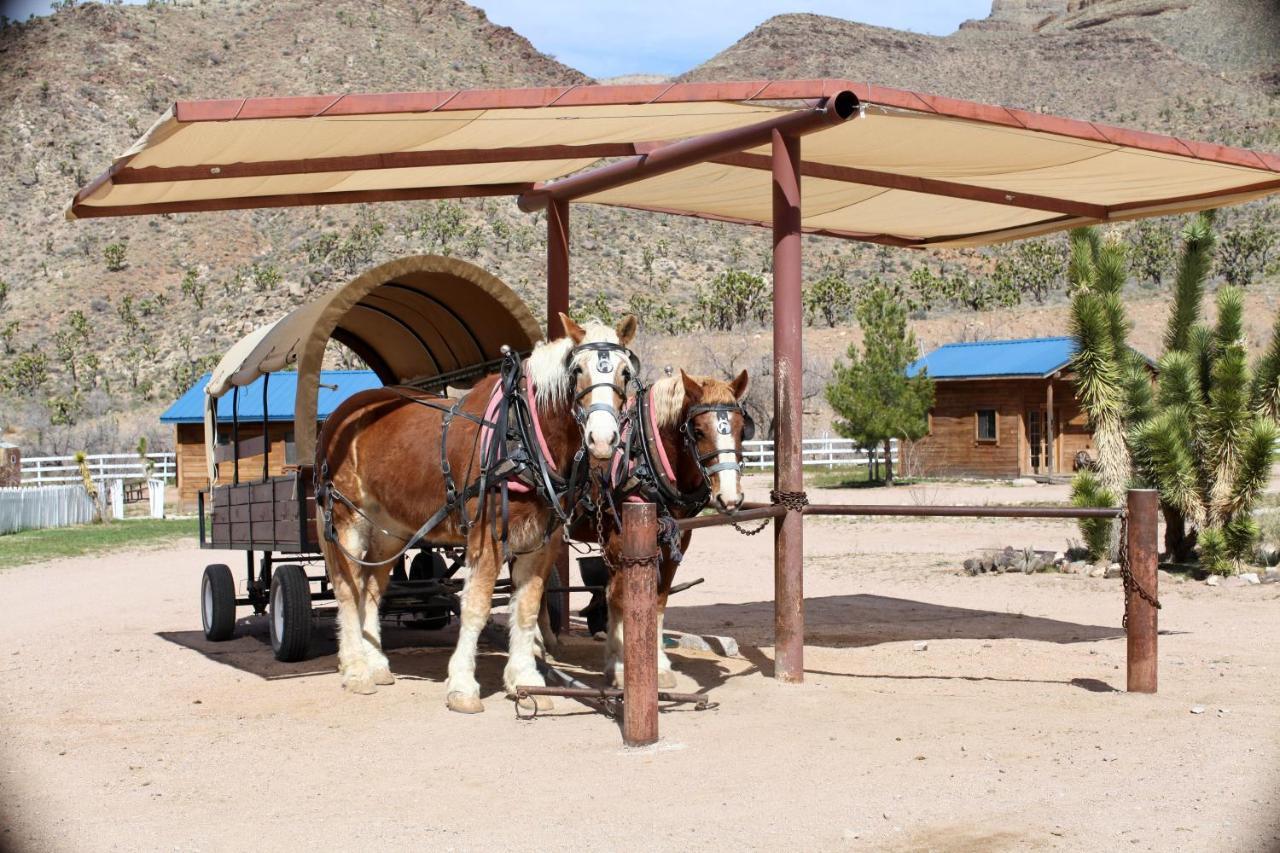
(518, 442)
(684, 452)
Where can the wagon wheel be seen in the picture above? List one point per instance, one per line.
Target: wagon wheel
(218, 603)
(290, 613)
(430, 565)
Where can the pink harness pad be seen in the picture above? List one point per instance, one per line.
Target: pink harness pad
(616, 467)
(486, 431)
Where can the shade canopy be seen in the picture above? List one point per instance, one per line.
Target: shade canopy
(913, 170)
(421, 320)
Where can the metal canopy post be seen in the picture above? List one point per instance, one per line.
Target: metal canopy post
(558, 301)
(788, 374)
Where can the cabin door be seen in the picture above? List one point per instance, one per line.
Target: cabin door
(1036, 423)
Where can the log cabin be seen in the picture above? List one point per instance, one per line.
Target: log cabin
(187, 416)
(1002, 409)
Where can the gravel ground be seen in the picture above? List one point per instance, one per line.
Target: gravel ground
(122, 729)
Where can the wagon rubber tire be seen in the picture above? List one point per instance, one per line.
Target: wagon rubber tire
(289, 613)
(218, 603)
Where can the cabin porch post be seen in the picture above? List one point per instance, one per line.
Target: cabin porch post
(1050, 461)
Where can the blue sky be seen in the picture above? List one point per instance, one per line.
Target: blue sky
(604, 38)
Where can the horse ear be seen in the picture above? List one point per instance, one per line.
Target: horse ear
(692, 389)
(740, 385)
(626, 329)
(572, 329)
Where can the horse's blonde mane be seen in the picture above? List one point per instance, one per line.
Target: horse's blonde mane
(668, 396)
(545, 366)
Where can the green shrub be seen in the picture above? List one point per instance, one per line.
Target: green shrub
(1087, 491)
(113, 254)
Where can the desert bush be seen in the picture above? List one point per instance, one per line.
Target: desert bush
(193, 288)
(1087, 491)
(1243, 251)
(265, 276)
(831, 298)
(27, 374)
(731, 299)
(114, 255)
(1033, 267)
(1152, 250)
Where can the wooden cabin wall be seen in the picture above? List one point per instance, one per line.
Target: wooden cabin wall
(193, 470)
(952, 447)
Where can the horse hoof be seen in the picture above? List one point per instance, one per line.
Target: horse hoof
(536, 703)
(362, 685)
(666, 679)
(464, 703)
(383, 676)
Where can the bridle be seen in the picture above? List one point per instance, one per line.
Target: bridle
(723, 426)
(643, 441)
(604, 352)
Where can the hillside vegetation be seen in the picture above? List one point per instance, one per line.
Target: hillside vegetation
(103, 322)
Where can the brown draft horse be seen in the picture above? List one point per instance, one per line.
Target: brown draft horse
(699, 423)
(384, 459)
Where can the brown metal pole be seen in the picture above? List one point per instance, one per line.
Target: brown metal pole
(699, 149)
(788, 368)
(558, 301)
(1140, 614)
(640, 624)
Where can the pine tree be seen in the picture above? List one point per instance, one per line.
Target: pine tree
(873, 397)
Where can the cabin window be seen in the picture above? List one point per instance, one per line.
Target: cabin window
(290, 449)
(986, 425)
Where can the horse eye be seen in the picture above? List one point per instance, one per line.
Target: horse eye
(698, 434)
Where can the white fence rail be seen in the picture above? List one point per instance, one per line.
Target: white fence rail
(34, 508)
(829, 452)
(38, 470)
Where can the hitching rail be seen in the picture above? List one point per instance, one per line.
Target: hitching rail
(639, 567)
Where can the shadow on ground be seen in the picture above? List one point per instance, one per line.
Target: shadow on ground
(849, 621)
(841, 621)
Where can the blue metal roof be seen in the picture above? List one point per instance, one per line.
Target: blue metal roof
(189, 408)
(979, 359)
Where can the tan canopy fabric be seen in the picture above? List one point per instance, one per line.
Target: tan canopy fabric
(411, 320)
(914, 170)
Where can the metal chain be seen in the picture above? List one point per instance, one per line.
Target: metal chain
(1131, 584)
(794, 501)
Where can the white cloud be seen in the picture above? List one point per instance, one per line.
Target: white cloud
(604, 39)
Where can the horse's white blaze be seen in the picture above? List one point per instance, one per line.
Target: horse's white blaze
(727, 480)
(602, 427)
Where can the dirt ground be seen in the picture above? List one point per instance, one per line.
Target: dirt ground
(122, 729)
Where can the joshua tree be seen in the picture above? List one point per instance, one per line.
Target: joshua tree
(1203, 436)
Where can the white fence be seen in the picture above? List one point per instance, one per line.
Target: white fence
(831, 452)
(28, 508)
(38, 470)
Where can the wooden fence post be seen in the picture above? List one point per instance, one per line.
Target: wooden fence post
(640, 624)
(1141, 620)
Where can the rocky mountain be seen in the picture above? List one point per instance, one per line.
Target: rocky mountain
(100, 317)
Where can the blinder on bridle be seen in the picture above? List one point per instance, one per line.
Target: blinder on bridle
(723, 427)
(604, 351)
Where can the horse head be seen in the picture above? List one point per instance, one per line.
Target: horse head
(589, 370)
(714, 425)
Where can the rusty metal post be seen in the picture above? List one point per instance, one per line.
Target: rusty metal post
(640, 624)
(557, 301)
(788, 368)
(1140, 614)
